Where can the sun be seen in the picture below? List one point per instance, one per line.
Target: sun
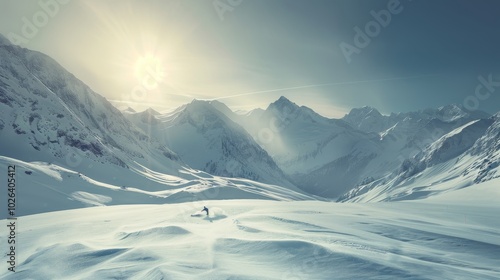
(149, 71)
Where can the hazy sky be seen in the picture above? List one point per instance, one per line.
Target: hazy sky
(249, 52)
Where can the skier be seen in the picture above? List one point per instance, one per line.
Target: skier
(205, 209)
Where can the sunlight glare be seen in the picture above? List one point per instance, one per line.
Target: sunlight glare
(149, 71)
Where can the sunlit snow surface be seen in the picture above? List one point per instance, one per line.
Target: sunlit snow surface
(268, 234)
(440, 238)
(50, 187)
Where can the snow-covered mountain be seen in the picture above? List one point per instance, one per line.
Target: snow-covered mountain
(77, 149)
(49, 115)
(328, 157)
(465, 156)
(72, 149)
(304, 144)
(369, 119)
(324, 157)
(204, 137)
(406, 134)
(454, 143)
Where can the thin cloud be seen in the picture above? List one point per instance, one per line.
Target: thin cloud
(323, 85)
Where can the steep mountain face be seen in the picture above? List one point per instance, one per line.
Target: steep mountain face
(49, 115)
(317, 152)
(489, 144)
(403, 135)
(299, 139)
(448, 147)
(410, 133)
(454, 143)
(487, 150)
(206, 139)
(465, 156)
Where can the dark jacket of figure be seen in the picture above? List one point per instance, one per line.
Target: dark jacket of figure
(205, 209)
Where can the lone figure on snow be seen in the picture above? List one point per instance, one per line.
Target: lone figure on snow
(205, 209)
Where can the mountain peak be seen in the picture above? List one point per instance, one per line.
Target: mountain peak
(199, 110)
(129, 110)
(150, 111)
(283, 104)
(364, 112)
(198, 105)
(452, 108)
(199, 102)
(219, 105)
(367, 119)
(454, 112)
(284, 100)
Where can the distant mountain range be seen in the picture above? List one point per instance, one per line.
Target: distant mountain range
(206, 139)
(328, 158)
(49, 115)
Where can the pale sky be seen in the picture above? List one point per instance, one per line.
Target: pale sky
(247, 53)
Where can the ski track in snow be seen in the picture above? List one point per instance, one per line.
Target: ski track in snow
(256, 239)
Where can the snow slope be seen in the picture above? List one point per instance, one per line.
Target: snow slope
(44, 187)
(253, 239)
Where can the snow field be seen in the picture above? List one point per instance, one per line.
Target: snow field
(257, 239)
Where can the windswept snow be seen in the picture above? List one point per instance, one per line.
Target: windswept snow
(254, 239)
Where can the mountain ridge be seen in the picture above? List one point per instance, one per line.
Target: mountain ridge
(48, 114)
(208, 139)
(379, 140)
